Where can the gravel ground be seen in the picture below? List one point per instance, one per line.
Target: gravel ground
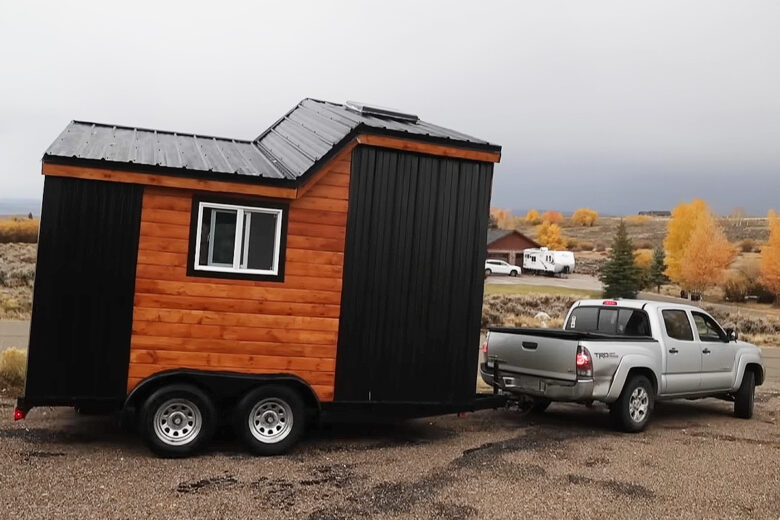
(694, 461)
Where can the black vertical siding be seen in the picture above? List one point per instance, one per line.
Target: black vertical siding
(83, 297)
(413, 278)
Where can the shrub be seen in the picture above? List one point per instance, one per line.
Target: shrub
(637, 220)
(19, 230)
(13, 365)
(532, 217)
(748, 245)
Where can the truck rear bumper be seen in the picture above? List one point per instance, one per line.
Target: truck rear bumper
(553, 389)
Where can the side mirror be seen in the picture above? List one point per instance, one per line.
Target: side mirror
(732, 334)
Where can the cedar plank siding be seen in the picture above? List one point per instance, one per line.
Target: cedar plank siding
(242, 325)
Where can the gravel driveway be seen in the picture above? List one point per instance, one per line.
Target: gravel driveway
(694, 461)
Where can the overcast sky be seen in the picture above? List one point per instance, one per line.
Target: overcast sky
(614, 105)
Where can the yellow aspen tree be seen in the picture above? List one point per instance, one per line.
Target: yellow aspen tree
(532, 217)
(707, 256)
(681, 226)
(770, 256)
(549, 235)
(553, 217)
(584, 217)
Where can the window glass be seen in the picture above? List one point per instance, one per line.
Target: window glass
(583, 319)
(708, 329)
(217, 237)
(254, 230)
(633, 322)
(677, 325)
(260, 241)
(608, 321)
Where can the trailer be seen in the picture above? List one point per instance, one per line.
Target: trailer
(544, 261)
(329, 269)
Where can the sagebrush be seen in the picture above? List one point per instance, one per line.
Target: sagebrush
(19, 230)
(13, 366)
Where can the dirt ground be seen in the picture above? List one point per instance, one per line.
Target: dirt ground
(694, 461)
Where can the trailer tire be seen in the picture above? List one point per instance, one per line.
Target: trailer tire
(177, 420)
(270, 419)
(632, 410)
(745, 396)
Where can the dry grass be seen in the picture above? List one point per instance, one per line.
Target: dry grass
(17, 274)
(13, 367)
(19, 230)
(523, 310)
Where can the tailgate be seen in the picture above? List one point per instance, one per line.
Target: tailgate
(526, 353)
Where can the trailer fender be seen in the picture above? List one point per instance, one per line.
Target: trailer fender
(635, 362)
(226, 388)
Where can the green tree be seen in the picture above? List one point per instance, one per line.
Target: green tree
(620, 275)
(656, 277)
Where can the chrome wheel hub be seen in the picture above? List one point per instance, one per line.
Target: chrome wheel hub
(177, 422)
(271, 420)
(638, 404)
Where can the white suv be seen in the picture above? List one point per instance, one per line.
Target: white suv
(501, 267)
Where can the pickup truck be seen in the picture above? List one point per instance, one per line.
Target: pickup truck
(627, 354)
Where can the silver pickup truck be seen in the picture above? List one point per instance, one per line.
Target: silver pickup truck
(627, 354)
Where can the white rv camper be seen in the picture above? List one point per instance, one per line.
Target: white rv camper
(544, 261)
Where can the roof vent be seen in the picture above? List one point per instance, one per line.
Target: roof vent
(377, 111)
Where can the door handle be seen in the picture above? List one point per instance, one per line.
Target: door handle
(530, 345)
(706, 351)
(673, 350)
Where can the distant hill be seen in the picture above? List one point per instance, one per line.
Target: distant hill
(20, 207)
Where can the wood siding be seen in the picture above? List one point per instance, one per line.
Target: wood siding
(241, 325)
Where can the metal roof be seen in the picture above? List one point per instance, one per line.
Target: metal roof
(285, 153)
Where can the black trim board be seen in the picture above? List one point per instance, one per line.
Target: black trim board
(237, 201)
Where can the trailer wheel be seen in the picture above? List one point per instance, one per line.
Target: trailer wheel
(177, 420)
(631, 412)
(270, 419)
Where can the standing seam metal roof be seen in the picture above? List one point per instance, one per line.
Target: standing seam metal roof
(284, 153)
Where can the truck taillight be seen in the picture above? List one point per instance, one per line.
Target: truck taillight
(484, 347)
(584, 363)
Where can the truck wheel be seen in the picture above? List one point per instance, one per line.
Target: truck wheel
(632, 410)
(270, 419)
(743, 401)
(177, 420)
(540, 405)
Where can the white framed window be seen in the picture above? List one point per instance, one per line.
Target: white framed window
(238, 239)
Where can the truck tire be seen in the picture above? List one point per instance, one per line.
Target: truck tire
(632, 411)
(177, 420)
(540, 405)
(270, 419)
(744, 398)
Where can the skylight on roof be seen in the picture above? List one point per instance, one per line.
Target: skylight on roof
(377, 111)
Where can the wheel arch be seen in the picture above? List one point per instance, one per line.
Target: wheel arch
(223, 387)
(629, 366)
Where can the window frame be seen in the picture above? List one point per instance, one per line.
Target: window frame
(242, 207)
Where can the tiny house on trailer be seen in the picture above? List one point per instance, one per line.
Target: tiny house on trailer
(329, 268)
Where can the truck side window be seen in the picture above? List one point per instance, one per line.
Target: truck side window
(708, 329)
(633, 323)
(677, 325)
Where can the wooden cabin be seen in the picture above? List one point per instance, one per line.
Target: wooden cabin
(339, 255)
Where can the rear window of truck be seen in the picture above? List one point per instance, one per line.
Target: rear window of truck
(610, 320)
